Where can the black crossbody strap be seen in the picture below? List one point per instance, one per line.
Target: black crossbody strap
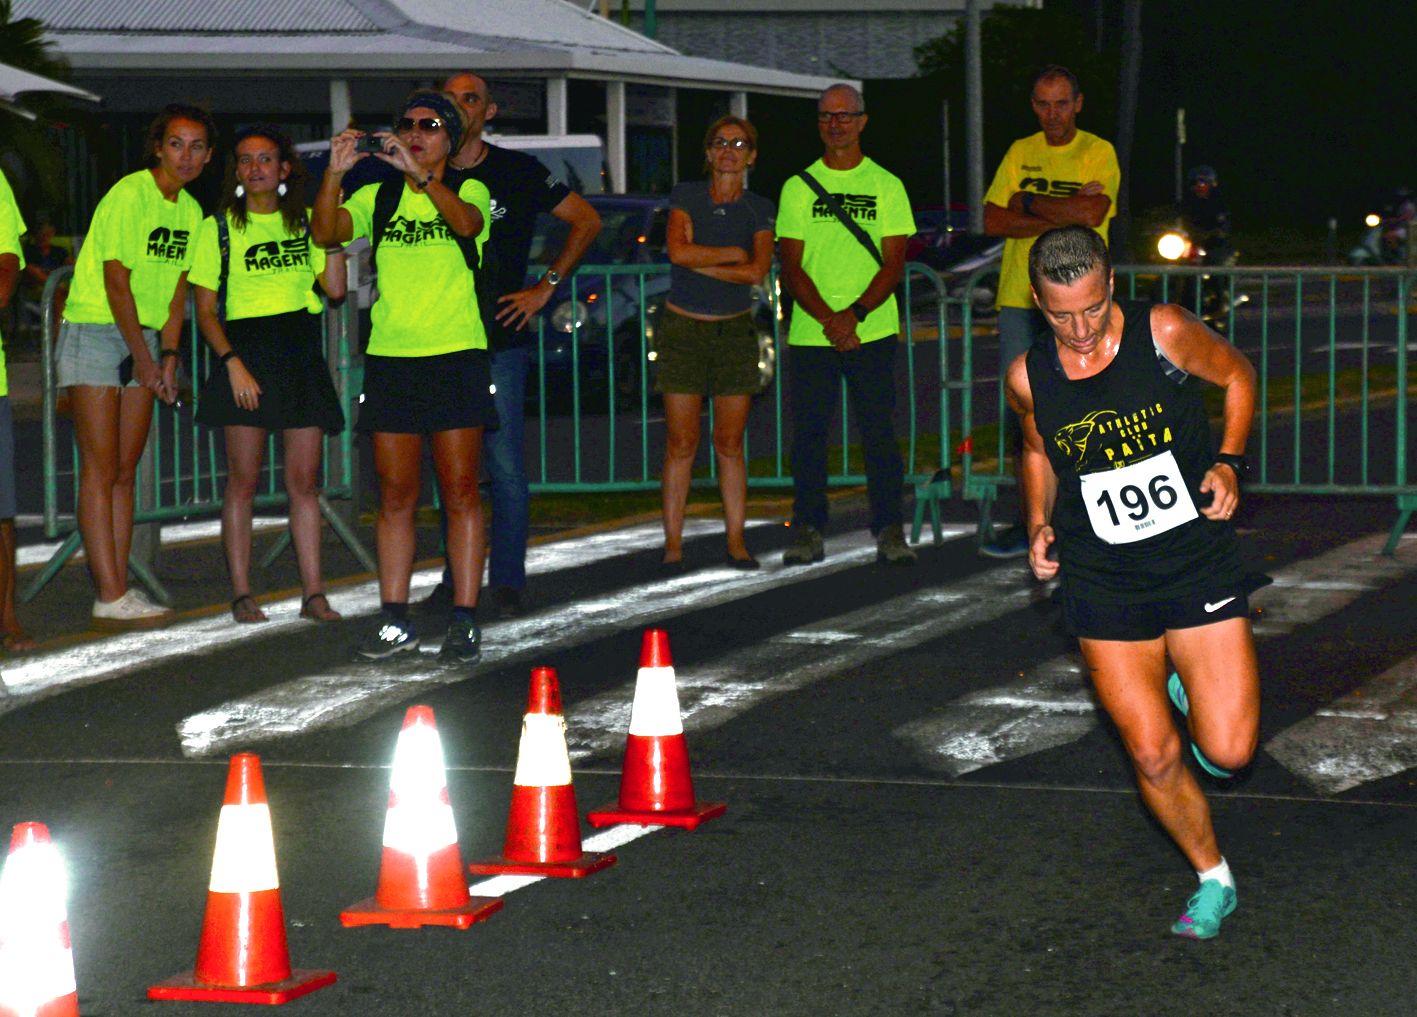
(223, 242)
(852, 226)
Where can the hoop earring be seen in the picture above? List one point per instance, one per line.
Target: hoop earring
(281, 189)
(240, 191)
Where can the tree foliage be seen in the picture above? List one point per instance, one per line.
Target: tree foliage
(1015, 44)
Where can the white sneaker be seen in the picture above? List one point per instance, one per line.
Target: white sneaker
(131, 609)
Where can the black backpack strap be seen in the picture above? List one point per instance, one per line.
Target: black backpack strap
(834, 206)
(386, 203)
(223, 243)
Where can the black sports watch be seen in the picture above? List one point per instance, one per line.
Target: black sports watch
(1238, 463)
(860, 310)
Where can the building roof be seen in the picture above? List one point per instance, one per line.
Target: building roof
(364, 38)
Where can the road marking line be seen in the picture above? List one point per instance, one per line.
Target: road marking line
(1369, 734)
(1053, 705)
(606, 840)
(40, 675)
(716, 690)
(346, 695)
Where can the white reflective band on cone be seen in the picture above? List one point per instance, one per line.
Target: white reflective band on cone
(420, 827)
(542, 760)
(418, 764)
(36, 966)
(656, 709)
(245, 858)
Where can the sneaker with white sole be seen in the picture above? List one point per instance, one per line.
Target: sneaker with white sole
(133, 608)
(390, 636)
(891, 548)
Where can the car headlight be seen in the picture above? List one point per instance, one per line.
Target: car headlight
(1172, 246)
(569, 315)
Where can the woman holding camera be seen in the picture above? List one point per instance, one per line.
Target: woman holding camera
(426, 371)
(118, 343)
(255, 272)
(720, 246)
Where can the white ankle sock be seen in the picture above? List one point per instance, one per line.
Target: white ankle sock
(1220, 873)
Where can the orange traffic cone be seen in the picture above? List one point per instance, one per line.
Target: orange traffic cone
(655, 786)
(242, 956)
(421, 880)
(36, 958)
(543, 828)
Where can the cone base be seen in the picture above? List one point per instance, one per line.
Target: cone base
(368, 912)
(685, 819)
(186, 987)
(571, 868)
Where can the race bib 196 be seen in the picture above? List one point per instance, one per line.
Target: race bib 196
(1137, 501)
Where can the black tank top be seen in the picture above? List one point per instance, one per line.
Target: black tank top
(1121, 537)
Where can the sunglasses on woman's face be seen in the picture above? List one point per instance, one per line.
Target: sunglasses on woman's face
(425, 124)
(738, 143)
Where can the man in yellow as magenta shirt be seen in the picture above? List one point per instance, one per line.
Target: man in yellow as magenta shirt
(845, 322)
(1060, 176)
(118, 343)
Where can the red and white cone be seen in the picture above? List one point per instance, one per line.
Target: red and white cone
(655, 786)
(421, 879)
(242, 956)
(36, 958)
(543, 826)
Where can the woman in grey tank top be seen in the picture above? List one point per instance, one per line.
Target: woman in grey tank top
(720, 246)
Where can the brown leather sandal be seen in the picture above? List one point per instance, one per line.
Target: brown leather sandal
(245, 610)
(316, 607)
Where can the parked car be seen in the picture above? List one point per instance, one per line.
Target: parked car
(944, 242)
(603, 316)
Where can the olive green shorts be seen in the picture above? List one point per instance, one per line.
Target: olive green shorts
(711, 358)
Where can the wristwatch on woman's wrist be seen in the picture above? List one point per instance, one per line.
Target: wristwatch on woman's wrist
(860, 310)
(553, 277)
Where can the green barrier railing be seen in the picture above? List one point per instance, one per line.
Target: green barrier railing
(181, 474)
(1330, 347)
(597, 357)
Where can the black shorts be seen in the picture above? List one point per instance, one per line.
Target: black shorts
(424, 395)
(1136, 621)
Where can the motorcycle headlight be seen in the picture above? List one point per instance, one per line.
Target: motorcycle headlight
(1372, 219)
(569, 315)
(1172, 246)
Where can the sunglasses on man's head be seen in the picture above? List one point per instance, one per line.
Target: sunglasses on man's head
(425, 124)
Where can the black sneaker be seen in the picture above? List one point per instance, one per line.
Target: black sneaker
(391, 635)
(507, 601)
(1012, 543)
(462, 644)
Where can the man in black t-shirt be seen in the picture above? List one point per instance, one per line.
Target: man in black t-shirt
(520, 188)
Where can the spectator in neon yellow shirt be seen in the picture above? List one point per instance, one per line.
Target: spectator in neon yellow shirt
(118, 343)
(12, 260)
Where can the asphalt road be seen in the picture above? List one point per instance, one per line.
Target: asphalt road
(926, 813)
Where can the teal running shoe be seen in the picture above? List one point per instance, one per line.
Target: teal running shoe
(1207, 908)
(1177, 692)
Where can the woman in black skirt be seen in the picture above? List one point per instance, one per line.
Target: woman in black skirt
(259, 311)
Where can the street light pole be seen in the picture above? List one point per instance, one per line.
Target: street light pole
(974, 116)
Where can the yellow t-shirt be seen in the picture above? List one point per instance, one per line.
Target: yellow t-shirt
(11, 226)
(151, 236)
(270, 271)
(1058, 171)
(837, 263)
(427, 302)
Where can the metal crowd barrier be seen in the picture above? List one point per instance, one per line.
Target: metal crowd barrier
(599, 366)
(181, 473)
(1330, 346)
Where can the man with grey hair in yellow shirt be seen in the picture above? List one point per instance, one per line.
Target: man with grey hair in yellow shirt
(1060, 176)
(842, 225)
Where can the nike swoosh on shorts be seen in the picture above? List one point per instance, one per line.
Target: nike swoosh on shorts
(1212, 608)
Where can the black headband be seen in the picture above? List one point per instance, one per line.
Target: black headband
(447, 111)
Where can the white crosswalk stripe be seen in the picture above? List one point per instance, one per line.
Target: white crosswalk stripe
(345, 695)
(1051, 705)
(44, 674)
